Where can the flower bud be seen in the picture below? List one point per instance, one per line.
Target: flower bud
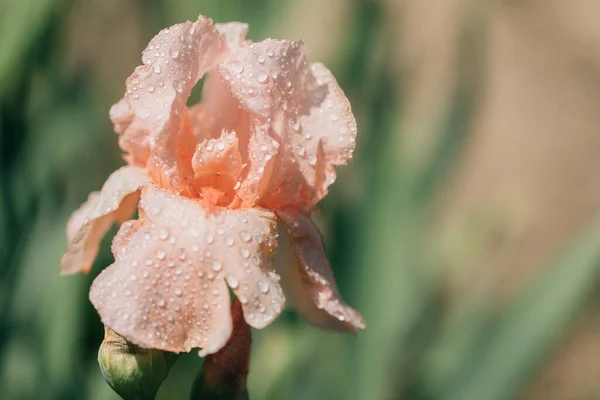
(134, 373)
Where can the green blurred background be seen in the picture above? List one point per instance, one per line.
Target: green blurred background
(465, 229)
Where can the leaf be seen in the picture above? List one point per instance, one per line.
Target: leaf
(533, 327)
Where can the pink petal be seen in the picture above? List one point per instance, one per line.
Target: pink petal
(87, 226)
(234, 34)
(312, 286)
(308, 114)
(330, 120)
(157, 91)
(219, 109)
(262, 152)
(167, 288)
(132, 140)
(217, 163)
(267, 77)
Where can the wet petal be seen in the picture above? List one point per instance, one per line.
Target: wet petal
(329, 120)
(262, 152)
(234, 34)
(267, 77)
(219, 110)
(157, 91)
(218, 163)
(308, 114)
(312, 287)
(87, 226)
(167, 288)
(132, 140)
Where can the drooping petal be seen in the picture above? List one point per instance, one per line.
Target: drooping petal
(87, 226)
(167, 288)
(312, 286)
(157, 91)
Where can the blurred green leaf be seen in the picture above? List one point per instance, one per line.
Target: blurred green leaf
(534, 325)
(20, 23)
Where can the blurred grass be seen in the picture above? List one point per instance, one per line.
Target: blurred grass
(56, 146)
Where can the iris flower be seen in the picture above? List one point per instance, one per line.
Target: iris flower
(211, 182)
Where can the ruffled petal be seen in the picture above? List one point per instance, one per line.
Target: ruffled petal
(132, 140)
(267, 77)
(157, 91)
(219, 110)
(217, 163)
(312, 287)
(167, 288)
(87, 226)
(307, 113)
(262, 152)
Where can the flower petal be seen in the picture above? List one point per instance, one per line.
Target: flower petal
(218, 163)
(308, 114)
(312, 287)
(132, 140)
(87, 226)
(267, 77)
(262, 151)
(167, 289)
(219, 109)
(157, 91)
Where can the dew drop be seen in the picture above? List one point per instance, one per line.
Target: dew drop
(236, 67)
(261, 77)
(229, 241)
(217, 266)
(150, 88)
(263, 286)
(160, 254)
(245, 252)
(232, 281)
(245, 235)
(174, 53)
(209, 238)
(163, 234)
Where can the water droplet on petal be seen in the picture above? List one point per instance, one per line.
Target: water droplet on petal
(263, 287)
(246, 236)
(232, 281)
(236, 67)
(217, 266)
(261, 77)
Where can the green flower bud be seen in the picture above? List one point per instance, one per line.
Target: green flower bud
(134, 373)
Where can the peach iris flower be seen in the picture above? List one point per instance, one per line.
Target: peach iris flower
(211, 182)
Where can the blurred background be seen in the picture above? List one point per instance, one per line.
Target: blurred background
(465, 230)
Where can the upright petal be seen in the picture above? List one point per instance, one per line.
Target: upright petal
(217, 163)
(307, 113)
(267, 77)
(157, 91)
(312, 287)
(262, 153)
(167, 288)
(87, 226)
(219, 110)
